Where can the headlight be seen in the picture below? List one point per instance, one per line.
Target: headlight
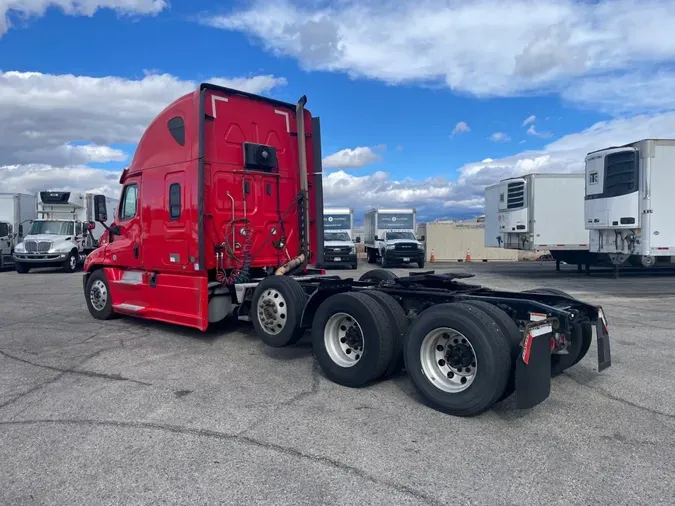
(390, 246)
(352, 251)
(20, 248)
(419, 246)
(64, 248)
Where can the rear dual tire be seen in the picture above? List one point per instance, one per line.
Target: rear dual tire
(458, 358)
(353, 339)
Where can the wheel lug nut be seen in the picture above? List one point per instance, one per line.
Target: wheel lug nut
(451, 374)
(441, 362)
(439, 348)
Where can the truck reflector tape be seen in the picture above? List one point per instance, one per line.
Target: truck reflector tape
(535, 317)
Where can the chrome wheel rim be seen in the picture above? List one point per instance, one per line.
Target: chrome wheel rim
(272, 311)
(73, 262)
(98, 295)
(448, 360)
(343, 339)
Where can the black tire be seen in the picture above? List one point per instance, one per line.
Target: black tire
(282, 296)
(377, 333)
(513, 335)
(580, 339)
(370, 255)
(70, 265)
(378, 275)
(355, 266)
(21, 268)
(492, 356)
(398, 319)
(97, 287)
(421, 263)
(383, 262)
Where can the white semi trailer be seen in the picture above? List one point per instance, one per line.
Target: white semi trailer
(17, 210)
(338, 241)
(629, 205)
(63, 233)
(539, 212)
(390, 237)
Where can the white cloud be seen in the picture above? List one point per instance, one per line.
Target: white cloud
(563, 44)
(533, 131)
(351, 158)
(399, 148)
(460, 127)
(12, 9)
(42, 115)
(529, 119)
(500, 137)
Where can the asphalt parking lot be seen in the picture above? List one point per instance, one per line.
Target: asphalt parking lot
(141, 413)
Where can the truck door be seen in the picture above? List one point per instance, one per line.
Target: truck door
(125, 248)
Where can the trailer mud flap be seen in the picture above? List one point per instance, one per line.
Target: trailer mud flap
(604, 354)
(533, 368)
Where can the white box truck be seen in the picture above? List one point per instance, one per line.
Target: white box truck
(338, 239)
(390, 237)
(629, 205)
(63, 233)
(538, 212)
(17, 210)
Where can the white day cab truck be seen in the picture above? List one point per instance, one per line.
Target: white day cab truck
(629, 206)
(63, 233)
(539, 212)
(338, 237)
(17, 210)
(390, 237)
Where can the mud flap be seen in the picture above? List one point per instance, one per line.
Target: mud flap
(533, 368)
(602, 333)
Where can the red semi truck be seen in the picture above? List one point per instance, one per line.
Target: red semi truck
(220, 215)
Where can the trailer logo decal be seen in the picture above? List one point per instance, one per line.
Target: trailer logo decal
(593, 177)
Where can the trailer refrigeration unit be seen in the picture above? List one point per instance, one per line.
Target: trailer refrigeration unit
(63, 233)
(220, 213)
(338, 242)
(390, 237)
(629, 205)
(17, 210)
(539, 212)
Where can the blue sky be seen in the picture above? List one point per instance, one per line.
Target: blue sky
(389, 83)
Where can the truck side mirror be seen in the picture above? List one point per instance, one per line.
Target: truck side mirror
(422, 238)
(100, 210)
(358, 240)
(377, 238)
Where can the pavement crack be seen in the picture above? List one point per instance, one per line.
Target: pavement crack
(79, 372)
(613, 397)
(274, 447)
(313, 390)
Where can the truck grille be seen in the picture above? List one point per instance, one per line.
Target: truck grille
(515, 195)
(38, 246)
(338, 250)
(406, 246)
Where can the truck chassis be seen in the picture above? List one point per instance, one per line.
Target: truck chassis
(465, 347)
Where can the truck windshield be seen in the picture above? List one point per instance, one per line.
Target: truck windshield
(400, 235)
(336, 236)
(4, 229)
(52, 228)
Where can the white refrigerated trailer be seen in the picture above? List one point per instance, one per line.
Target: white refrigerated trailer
(629, 204)
(539, 212)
